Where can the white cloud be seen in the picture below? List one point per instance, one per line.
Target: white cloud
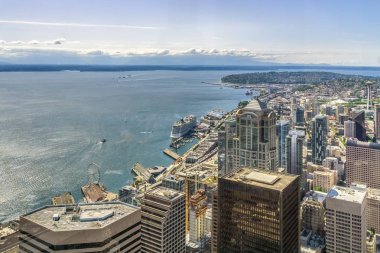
(58, 41)
(33, 42)
(59, 51)
(40, 23)
(16, 42)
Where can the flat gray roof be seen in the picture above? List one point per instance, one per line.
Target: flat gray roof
(347, 194)
(363, 144)
(165, 193)
(262, 178)
(87, 216)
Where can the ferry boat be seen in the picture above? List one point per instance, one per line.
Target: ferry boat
(183, 126)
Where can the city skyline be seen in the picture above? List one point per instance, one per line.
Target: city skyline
(189, 32)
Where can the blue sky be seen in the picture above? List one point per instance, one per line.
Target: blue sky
(190, 32)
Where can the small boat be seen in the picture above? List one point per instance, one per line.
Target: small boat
(249, 92)
(103, 140)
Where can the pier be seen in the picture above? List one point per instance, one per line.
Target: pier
(94, 192)
(140, 171)
(176, 143)
(171, 154)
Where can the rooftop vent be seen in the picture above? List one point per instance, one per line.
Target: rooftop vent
(55, 217)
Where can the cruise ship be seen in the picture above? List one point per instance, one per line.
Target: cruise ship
(183, 126)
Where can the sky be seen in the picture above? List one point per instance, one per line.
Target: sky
(205, 32)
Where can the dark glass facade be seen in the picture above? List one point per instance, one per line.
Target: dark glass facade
(258, 219)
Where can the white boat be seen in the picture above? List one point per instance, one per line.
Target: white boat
(183, 126)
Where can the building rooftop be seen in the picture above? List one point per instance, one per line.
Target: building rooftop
(81, 216)
(164, 193)
(283, 122)
(326, 172)
(315, 195)
(363, 144)
(373, 193)
(254, 105)
(321, 117)
(299, 133)
(262, 178)
(347, 194)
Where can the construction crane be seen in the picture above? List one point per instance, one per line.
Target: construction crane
(187, 192)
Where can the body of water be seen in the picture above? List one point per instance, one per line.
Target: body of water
(52, 124)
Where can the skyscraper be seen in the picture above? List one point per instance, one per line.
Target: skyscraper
(358, 116)
(255, 141)
(96, 227)
(363, 163)
(282, 130)
(339, 110)
(294, 149)
(299, 116)
(197, 214)
(331, 163)
(319, 138)
(373, 209)
(225, 147)
(349, 129)
(215, 220)
(346, 220)
(376, 115)
(163, 221)
(258, 212)
(369, 95)
(313, 215)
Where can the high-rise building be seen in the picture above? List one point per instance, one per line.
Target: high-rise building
(315, 106)
(215, 221)
(174, 182)
(225, 147)
(293, 103)
(358, 116)
(96, 227)
(294, 150)
(313, 215)
(299, 116)
(255, 141)
(363, 163)
(331, 162)
(329, 110)
(163, 221)
(259, 211)
(282, 130)
(319, 138)
(373, 209)
(376, 115)
(342, 118)
(339, 110)
(347, 110)
(369, 95)
(346, 220)
(197, 221)
(324, 179)
(349, 129)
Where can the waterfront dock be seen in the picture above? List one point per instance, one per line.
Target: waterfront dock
(94, 192)
(140, 171)
(171, 154)
(63, 199)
